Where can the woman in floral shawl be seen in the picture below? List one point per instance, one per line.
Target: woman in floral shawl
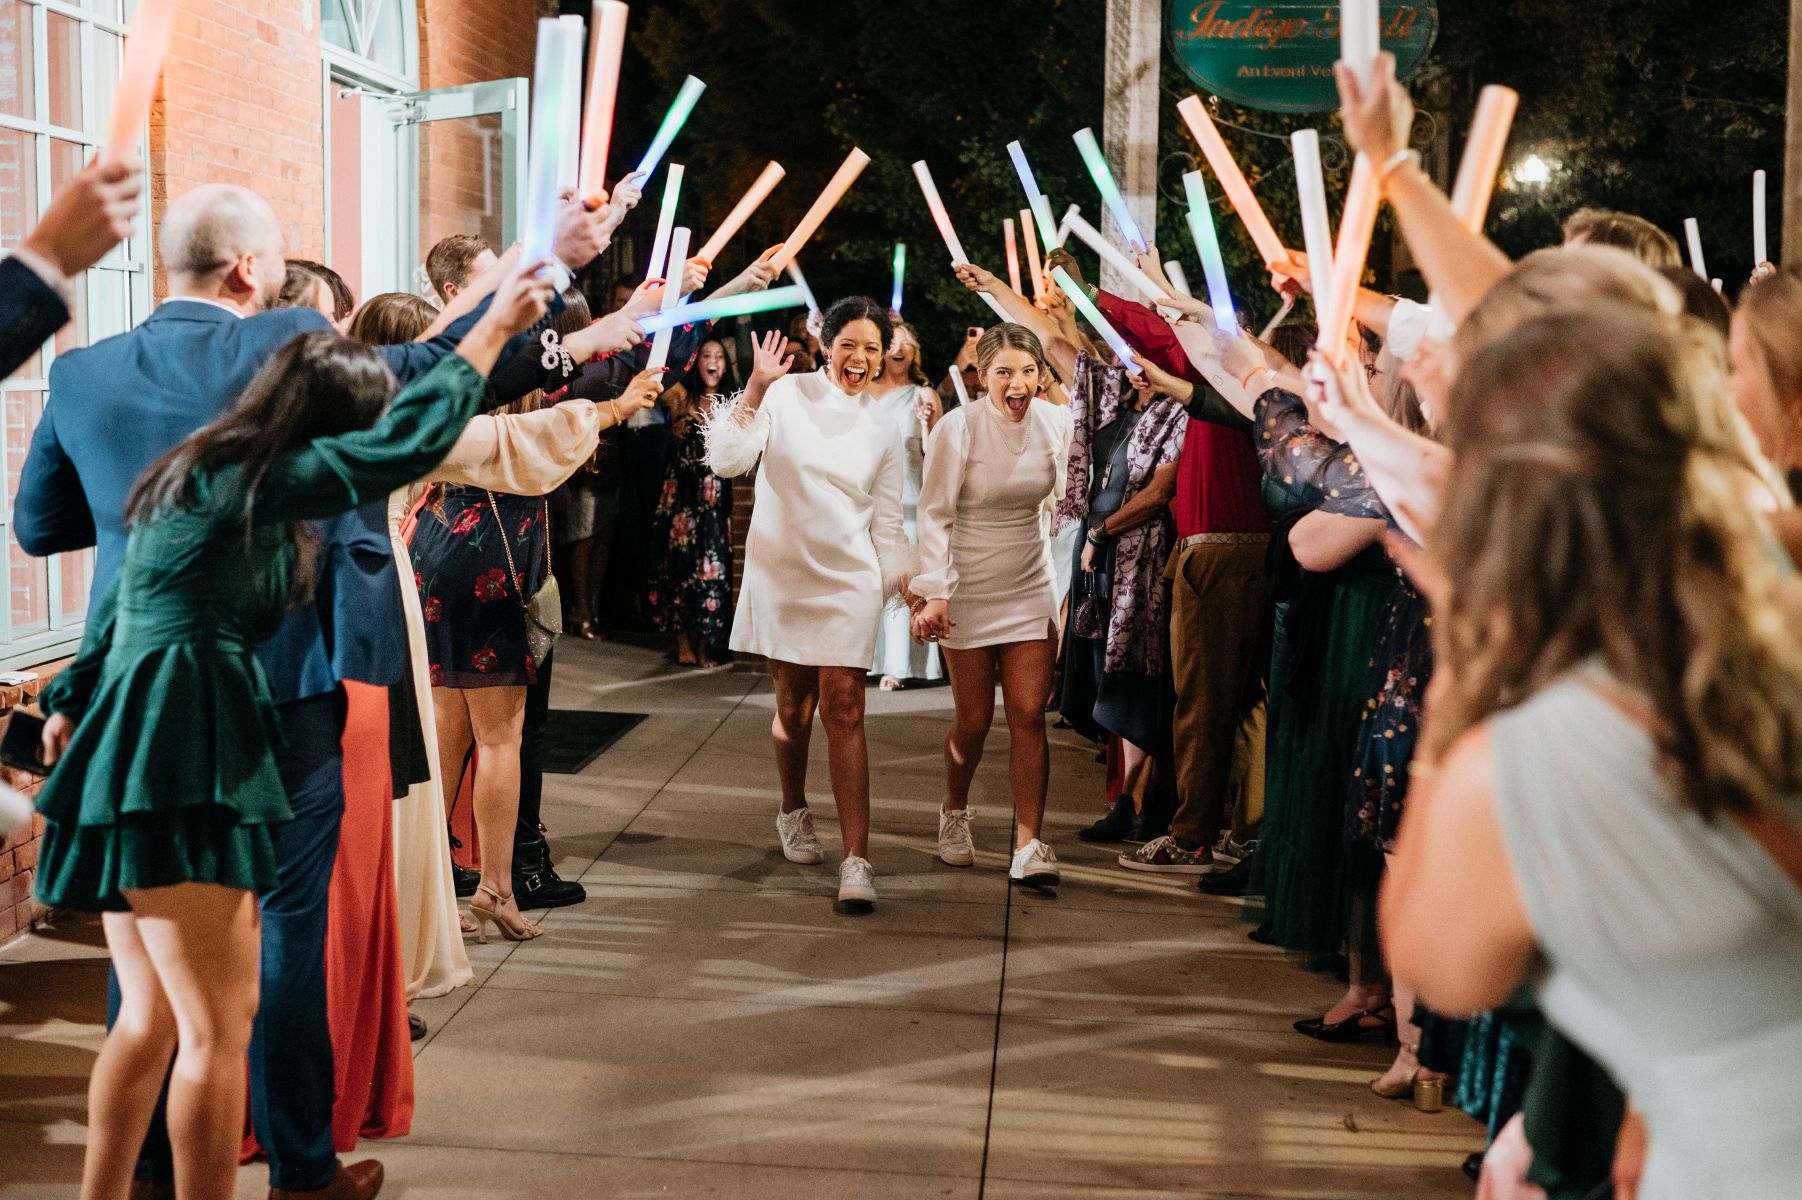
(1116, 645)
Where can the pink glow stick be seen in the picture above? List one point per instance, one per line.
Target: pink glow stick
(145, 50)
(609, 27)
(836, 187)
(1031, 235)
(1483, 155)
(741, 212)
(1013, 254)
(1232, 180)
(1356, 225)
(936, 206)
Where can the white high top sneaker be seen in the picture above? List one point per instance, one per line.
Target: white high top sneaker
(956, 847)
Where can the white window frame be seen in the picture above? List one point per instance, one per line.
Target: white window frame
(133, 259)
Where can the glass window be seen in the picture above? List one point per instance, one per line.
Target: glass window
(57, 72)
(379, 36)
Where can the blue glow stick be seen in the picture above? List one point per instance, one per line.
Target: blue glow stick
(792, 296)
(1035, 199)
(544, 154)
(1207, 244)
(1102, 325)
(1092, 158)
(673, 120)
(894, 301)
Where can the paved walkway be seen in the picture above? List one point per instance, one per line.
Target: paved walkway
(707, 1025)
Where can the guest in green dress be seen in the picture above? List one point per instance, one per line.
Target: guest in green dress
(161, 809)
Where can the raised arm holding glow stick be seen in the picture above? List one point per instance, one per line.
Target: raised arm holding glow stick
(1035, 199)
(1091, 237)
(672, 300)
(1207, 245)
(1032, 254)
(1316, 225)
(1102, 325)
(1232, 180)
(544, 152)
(836, 187)
(657, 267)
(1760, 250)
(741, 212)
(145, 48)
(1096, 162)
(1483, 155)
(935, 205)
(1692, 231)
(718, 308)
(603, 84)
(673, 120)
(894, 301)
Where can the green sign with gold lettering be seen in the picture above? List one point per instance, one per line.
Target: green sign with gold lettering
(1279, 55)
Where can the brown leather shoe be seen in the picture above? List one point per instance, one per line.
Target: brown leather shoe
(359, 1181)
(145, 1189)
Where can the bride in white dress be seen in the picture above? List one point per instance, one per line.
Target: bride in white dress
(987, 590)
(825, 549)
(901, 390)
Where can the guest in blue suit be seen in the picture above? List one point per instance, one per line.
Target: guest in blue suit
(90, 215)
(112, 410)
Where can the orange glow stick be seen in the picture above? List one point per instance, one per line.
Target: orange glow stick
(1232, 180)
(1013, 254)
(609, 26)
(145, 49)
(836, 187)
(1483, 155)
(741, 212)
(1031, 236)
(1356, 225)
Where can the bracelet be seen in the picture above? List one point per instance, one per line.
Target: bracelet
(1097, 534)
(614, 406)
(1260, 369)
(1394, 162)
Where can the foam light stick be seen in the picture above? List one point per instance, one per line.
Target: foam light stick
(1232, 180)
(1179, 278)
(800, 281)
(1063, 226)
(1207, 245)
(1356, 224)
(672, 299)
(721, 307)
(957, 385)
(741, 212)
(836, 187)
(1035, 199)
(145, 50)
(1483, 155)
(1102, 325)
(935, 205)
(1012, 246)
(1692, 231)
(603, 84)
(673, 120)
(569, 158)
(1360, 37)
(1316, 225)
(658, 266)
(1716, 284)
(1096, 162)
(1032, 253)
(1091, 237)
(894, 299)
(1760, 248)
(552, 86)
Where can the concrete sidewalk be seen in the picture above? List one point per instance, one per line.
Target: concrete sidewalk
(707, 1024)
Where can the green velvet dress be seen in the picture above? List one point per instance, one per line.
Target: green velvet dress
(169, 777)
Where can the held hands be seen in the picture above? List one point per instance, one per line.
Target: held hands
(1379, 116)
(90, 215)
(932, 621)
(58, 730)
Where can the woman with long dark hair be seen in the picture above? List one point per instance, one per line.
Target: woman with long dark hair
(826, 548)
(161, 809)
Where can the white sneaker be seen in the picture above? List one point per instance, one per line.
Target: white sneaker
(1035, 866)
(799, 842)
(856, 881)
(956, 847)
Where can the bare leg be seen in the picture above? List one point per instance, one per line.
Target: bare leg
(455, 737)
(1132, 767)
(972, 675)
(497, 717)
(686, 653)
(128, 1073)
(1025, 675)
(203, 941)
(791, 732)
(848, 754)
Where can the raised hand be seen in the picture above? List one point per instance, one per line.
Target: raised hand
(646, 299)
(770, 359)
(581, 234)
(1293, 276)
(626, 194)
(522, 298)
(694, 276)
(755, 278)
(1061, 257)
(1157, 381)
(1379, 115)
(976, 278)
(90, 215)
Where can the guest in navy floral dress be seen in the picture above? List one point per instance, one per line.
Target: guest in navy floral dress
(690, 590)
(474, 616)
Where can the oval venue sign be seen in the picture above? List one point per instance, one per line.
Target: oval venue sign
(1279, 55)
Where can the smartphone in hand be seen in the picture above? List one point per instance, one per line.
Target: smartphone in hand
(22, 745)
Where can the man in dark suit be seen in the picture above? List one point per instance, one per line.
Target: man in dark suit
(115, 408)
(90, 215)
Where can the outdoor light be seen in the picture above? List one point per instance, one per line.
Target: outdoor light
(1533, 171)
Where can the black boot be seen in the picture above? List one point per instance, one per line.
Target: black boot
(535, 881)
(465, 881)
(1115, 827)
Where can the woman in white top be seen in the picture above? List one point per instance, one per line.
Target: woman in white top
(1616, 712)
(825, 549)
(901, 391)
(987, 588)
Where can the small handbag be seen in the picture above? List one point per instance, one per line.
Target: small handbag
(544, 611)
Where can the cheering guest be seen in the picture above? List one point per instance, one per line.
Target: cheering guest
(987, 590)
(826, 546)
(912, 408)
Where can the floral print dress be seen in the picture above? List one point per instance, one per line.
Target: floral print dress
(690, 589)
(475, 625)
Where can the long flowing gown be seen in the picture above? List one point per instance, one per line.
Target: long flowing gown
(897, 654)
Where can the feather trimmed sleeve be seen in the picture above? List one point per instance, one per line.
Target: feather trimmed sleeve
(735, 436)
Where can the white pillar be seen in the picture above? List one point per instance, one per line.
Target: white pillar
(1129, 122)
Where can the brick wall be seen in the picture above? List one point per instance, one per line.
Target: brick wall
(19, 853)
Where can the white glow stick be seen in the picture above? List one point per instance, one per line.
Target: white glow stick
(1063, 226)
(1102, 325)
(1760, 250)
(672, 299)
(1716, 285)
(551, 88)
(794, 273)
(1316, 225)
(957, 385)
(935, 204)
(1091, 237)
(1179, 279)
(1692, 230)
(1213, 269)
(1360, 38)
(1035, 199)
(569, 158)
(658, 268)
